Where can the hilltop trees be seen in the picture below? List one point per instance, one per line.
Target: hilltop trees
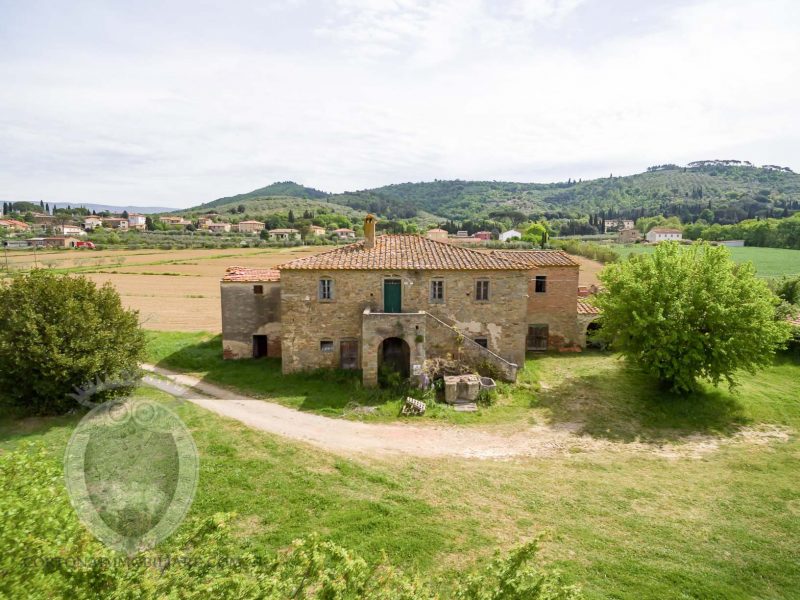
(63, 332)
(685, 314)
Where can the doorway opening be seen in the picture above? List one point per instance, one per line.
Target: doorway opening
(394, 359)
(259, 346)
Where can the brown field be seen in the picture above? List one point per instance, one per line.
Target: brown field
(173, 290)
(178, 290)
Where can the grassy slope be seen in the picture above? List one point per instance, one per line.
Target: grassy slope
(626, 525)
(769, 262)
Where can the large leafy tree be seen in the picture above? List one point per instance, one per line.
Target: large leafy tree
(688, 313)
(58, 332)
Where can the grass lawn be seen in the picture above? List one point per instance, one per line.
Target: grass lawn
(623, 524)
(769, 262)
(331, 393)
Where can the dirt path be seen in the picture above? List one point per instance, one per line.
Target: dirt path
(348, 437)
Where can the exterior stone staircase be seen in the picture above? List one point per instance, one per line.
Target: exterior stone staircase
(472, 352)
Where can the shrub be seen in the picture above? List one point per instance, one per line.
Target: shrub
(689, 313)
(46, 553)
(62, 331)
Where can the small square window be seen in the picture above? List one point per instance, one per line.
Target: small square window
(258, 289)
(326, 289)
(541, 284)
(482, 290)
(482, 342)
(326, 346)
(437, 290)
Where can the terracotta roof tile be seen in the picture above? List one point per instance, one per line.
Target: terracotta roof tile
(538, 258)
(393, 252)
(584, 308)
(243, 274)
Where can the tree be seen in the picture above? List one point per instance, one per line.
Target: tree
(125, 214)
(291, 216)
(534, 233)
(64, 332)
(684, 314)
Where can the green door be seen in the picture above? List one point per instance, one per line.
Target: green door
(391, 295)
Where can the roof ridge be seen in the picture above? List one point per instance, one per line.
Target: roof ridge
(404, 251)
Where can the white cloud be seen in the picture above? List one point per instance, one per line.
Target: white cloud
(467, 90)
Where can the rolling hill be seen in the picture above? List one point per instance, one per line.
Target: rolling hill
(732, 190)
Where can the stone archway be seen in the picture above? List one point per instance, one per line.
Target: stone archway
(395, 353)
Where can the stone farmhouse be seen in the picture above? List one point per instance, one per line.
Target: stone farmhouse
(398, 300)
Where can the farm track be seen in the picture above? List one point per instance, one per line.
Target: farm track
(343, 436)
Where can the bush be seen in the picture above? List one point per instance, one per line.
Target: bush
(62, 331)
(587, 249)
(46, 553)
(689, 313)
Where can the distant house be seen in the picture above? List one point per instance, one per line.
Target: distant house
(484, 235)
(251, 227)
(663, 234)
(280, 235)
(116, 223)
(628, 236)
(136, 221)
(92, 223)
(13, 225)
(316, 230)
(440, 235)
(205, 222)
(610, 225)
(219, 227)
(68, 230)
(510, 235)
(54, 242)
(344, 233)
(43, 219)
(175, 221)
(731, 243)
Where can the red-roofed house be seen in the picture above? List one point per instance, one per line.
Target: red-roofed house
(398, 300)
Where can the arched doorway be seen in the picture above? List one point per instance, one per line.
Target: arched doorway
(394, 354)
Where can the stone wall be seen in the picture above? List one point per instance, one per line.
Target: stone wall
(245, 314)
(557, 307)
(307, 321)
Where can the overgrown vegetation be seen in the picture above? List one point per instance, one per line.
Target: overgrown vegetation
(46, 553)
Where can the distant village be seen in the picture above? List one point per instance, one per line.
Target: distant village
(64, 229)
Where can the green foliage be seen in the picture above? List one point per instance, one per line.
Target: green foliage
(684, 314)
(46, 553)
(63, 331)
(787, 289)
(597, 252)
(645, 224)
(771, 233)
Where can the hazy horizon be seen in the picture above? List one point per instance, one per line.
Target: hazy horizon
(174, 105)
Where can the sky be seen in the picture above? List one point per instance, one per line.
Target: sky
(175, 103)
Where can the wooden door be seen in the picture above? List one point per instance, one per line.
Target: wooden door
(392, 296)
(537, 337)
(348, 354)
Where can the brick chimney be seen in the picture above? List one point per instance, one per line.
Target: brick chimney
(369, 231)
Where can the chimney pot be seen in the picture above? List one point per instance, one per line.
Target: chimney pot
(369, 231)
